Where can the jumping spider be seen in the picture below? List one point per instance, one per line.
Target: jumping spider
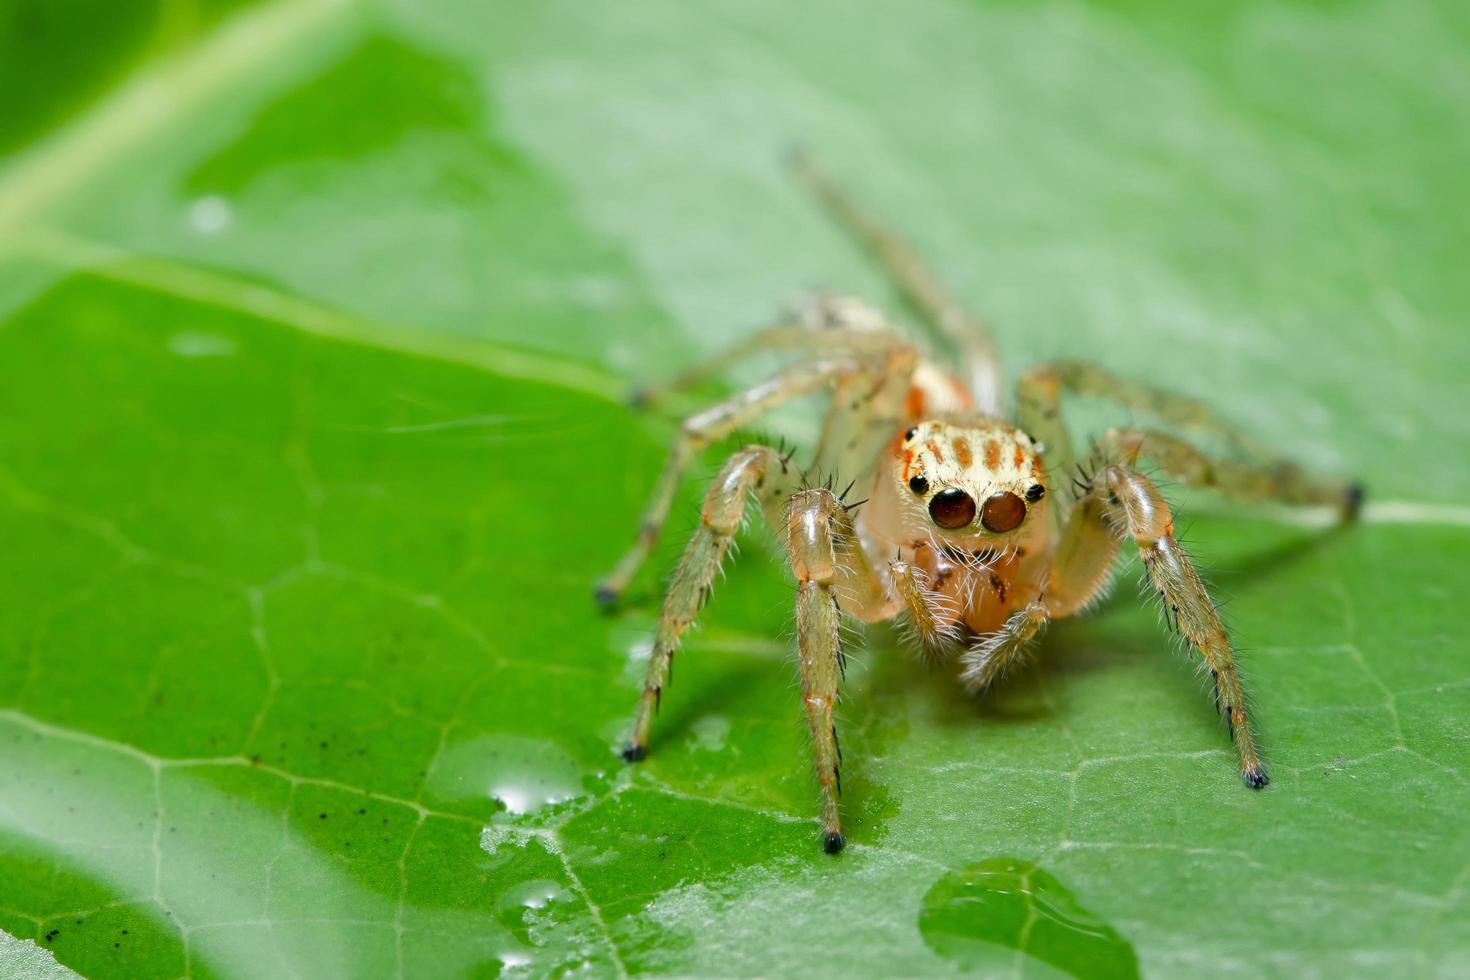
(963, 533)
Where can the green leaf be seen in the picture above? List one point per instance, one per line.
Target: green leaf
(987, 916)
(314, 331)
(60, 54)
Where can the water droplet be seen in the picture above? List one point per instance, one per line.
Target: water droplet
(525, 775)
(211, 214)
(978, 916)
(534, 894)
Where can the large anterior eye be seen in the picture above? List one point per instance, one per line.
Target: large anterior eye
(1002, 512)
(952, 508)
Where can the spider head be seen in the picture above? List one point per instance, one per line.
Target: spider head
(963, 481)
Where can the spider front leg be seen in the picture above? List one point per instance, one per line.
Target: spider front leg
(826, 560)
(1134, 503)
(1120, 500)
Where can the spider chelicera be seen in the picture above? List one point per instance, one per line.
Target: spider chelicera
(961, 530)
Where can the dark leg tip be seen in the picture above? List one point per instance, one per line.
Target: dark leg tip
(1352, 503)
(634, 753)
(1255, 778)
(832, 842)
(606, 596)
(639, 398)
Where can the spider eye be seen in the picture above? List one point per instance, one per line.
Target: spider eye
(918, 484)
(1002, 512)
(952, 508)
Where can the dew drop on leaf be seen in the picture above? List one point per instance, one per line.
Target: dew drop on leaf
(523, 775)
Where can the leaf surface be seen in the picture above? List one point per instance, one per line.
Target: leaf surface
(314, 331)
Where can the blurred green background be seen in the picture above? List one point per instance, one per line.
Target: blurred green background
(316, 321)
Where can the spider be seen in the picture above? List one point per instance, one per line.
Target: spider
(962, 531)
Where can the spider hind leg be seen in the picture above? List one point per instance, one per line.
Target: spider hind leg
(699, 432)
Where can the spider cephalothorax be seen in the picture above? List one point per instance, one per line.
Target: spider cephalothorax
(963, 499)
(962, 534)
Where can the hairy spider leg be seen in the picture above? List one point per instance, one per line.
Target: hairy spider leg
(866, 409)
(1121, 500)
(934, 619)
(955, 325)
(831, 572)
(823, 547)
(1262, 475)
(697, 432)
(753, 469)
(1185, 462)
(1117, 498)
(1006, 648)
(811, 340)
(1135, 505)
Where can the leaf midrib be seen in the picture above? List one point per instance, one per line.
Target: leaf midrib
(212, 287)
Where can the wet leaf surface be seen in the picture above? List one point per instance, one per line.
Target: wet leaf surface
(313, 341)
(1006, 915)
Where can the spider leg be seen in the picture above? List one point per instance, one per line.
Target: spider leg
(836, 340)
(752, 468)
(830, 568)
(1183, 461)
(934, 625)
(1117, 500)
(1004, 649)
(1260, 475)
(819, 534)
(699, 431)
(1083, 562)
(921, 288)
(864, 412)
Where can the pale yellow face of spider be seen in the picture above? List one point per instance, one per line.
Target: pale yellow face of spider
(962, 480)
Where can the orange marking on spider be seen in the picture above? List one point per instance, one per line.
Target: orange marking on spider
(962, 453)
